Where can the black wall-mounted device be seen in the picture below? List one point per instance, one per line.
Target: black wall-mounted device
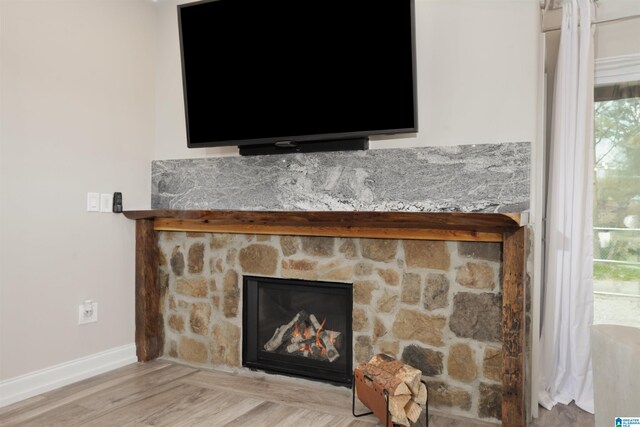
(117, 202)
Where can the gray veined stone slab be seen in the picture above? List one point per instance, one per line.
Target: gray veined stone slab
(480, 178)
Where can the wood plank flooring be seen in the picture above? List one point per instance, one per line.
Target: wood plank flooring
(162, 393)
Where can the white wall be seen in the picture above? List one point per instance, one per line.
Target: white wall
(77, 99)
(477, 76)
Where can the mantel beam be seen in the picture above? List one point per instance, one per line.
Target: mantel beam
(162, 224)
(482, 227)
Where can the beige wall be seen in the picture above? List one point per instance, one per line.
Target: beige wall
(91, 92)
(477, 76)
(77, 116)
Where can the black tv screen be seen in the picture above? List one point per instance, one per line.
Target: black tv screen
(265, 71)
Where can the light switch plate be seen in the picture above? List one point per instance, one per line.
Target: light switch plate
(106, 203)
(93, 202)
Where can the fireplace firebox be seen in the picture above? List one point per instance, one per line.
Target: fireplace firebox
(298, 327)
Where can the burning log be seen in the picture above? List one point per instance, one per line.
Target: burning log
(300, 345)
(314, 321)
(305, 336)
(284, 332)
(406, 393)
(328, 339)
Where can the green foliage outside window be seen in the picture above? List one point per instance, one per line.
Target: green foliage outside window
(617, 183)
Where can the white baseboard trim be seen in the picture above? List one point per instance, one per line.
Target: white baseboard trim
(34, 383)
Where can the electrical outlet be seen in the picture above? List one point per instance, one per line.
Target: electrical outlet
(87, 312)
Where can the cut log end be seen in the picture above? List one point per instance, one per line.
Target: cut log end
(406, 392)
(421, 397)
(413, 411)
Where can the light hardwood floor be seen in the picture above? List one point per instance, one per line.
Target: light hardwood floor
(162, 393)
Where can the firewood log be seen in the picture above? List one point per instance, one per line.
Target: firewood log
(299, 345)
(421, 397)
(406, 393)
(314, 321)
(413, 411)
(316, 351)
(385, 362)
(284, 332)
(332, 352)
(400, 419)
(397, 404)
(393, 385)
(409, 375)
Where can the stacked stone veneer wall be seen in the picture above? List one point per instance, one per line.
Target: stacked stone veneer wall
(435, 305)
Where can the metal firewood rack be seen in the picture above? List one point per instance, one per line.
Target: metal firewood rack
(376, 399)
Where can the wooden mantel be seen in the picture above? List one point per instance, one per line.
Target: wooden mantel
(483, 227)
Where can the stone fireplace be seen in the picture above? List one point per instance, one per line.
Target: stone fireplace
(418, 232)
(298, 327)
(436, 305)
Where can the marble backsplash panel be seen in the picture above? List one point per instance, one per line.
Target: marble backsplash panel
(478, 178)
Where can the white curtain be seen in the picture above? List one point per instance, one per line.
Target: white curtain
(565, 362)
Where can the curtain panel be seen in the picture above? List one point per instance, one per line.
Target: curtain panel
(565, 361)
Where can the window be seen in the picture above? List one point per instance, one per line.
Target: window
(617, 204)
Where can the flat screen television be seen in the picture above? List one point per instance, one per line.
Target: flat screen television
(296, 73)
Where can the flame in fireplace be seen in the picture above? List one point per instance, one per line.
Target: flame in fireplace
(296, 332)
(318, 332)
(307, 334)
